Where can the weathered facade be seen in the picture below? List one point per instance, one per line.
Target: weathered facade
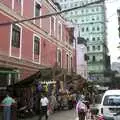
(26, 47)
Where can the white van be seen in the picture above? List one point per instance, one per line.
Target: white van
(110, 104)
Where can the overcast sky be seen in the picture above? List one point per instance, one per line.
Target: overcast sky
(112, 29)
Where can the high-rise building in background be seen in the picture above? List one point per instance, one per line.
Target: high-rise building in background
(91, 23)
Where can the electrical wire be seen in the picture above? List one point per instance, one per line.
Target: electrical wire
(49, 15)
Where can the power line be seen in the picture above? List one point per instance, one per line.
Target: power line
(51, 14)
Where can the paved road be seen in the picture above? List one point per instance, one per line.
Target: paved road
(62, 115)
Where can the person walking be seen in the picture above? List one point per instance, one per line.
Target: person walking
(81, 110)
(44, 107)
(7, 102)
(53, 103)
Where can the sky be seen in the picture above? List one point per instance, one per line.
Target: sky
(112, 29)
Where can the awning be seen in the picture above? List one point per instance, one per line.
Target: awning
(8, 72)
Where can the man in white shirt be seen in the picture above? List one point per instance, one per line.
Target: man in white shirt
(44, 107)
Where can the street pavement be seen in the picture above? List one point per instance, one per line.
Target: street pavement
(60, 115)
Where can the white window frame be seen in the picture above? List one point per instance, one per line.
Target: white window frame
(61, 56)
(67, 54)
(10, 47)
(35, 35)
(54, 25)
(38, 2)
(13, 6)
(59, 23)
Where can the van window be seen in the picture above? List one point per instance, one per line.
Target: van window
(111, 100)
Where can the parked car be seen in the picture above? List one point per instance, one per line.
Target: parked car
(110, 105)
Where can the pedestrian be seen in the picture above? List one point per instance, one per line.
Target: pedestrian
(53, 103)
(81, 110)
(44, 107)
(7, 102)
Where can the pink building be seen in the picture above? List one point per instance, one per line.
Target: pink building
(26, 47)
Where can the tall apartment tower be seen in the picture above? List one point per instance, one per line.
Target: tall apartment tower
(91, 22)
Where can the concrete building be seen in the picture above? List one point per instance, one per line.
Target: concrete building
(118, 13)
(115, 66)
(81, 55)
(91, 22)
(27, 47)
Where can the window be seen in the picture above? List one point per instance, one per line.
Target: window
(16, 36)
(93, 19)
(76, 12)
(19, 1)
(82, 29)
(97, 9)
(67, 62)
(97, 17)
(82, 11)
(98, 47)
(94, 59)
(98, 28)
(87, 29)
(59, 62)
(59, 31)
(82, 20)
(93, 10)
(36, 45)
(71, 5)
(65, 6)
(98, 38)
(111, 100)
(88, 57)
(71, 64)
(93, 47)
(37, 9)
(87, 39)
(88, 48)
(76, 21)
(52, 25)
(93, 39)
(71, 13)
(76, 4)
(93, 29)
